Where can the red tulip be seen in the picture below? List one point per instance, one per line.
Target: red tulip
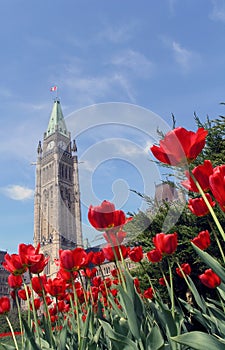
(186, 268)
(38, 284)
(31, 257)
(15, 281)
(94, 293)
(22, 294)
(68, 276)
(73, 260)
(98, 258)
(96, 281)
(114, 238)
(13, 294)
(56, 287)
(201, 174)
(154, 255)
(110, 252)
(210, 279)
(14, 264)
(148, 293)
(180, 146)
(89, 273)
(198, 206)
(202, 241)
(37, 263)
(137, 285)
(61, 305)
(114, 272)
(136, 254)
(166, 243)
(162, 281)
(81, 295)
(26, 251)
(48, 300)
(37, 303)
(104, 217)
(217, 185)
(4, 305)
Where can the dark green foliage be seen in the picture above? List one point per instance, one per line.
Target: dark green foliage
(215, 147)
(146, 225)
(14, 319)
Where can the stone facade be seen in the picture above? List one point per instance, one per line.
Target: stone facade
(57, 212)
(4, 287)
(168, 193)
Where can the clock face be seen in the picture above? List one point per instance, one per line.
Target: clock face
(62, 144)
(50, 145)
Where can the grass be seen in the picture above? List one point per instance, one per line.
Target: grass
(9, 341)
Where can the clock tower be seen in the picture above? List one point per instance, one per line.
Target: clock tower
(57, 212)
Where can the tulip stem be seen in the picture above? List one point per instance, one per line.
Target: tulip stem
(77, 313)
(46, 308)
(208, 206)
(20, 320)
(34, 313)
(217, 241)
(184, 276)
(83, 286)
(171, 291)
(146, 272)
(13, 334)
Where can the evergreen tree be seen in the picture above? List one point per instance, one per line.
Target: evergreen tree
(145, 225)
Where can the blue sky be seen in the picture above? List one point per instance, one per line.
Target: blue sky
(165, 56)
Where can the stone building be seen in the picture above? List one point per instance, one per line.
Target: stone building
(165, 192)
(57, 211)
(4, 287)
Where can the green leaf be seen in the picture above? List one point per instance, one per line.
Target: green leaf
(63, 338)
(45, 345)
(30, 336)
(222, 293)
(131, 290)
(155, 340)
(166, 317)
(131, 314)
(115, 307)
(197, 314)
(120, 324)
(200, 302)
(7, 347)
(85, 329)
(121, 342)
(199, 341)
(211, 262)
(97, 335)
(46, 326)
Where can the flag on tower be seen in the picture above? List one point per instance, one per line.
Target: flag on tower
(53, 88)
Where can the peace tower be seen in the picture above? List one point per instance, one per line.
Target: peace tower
(57, 211)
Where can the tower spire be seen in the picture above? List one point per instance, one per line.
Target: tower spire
(56, 121)
(57, 209)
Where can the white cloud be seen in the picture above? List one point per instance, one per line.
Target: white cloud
(218, 10)
(172, 4)
(17, 192)
(94, 89)
(182, 56)
(117, 34)
(147, 147)
(134, 61)
(5, 92)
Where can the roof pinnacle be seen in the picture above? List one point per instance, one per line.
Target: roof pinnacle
(56, 121)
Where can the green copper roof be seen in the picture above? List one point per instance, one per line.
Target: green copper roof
(56, 121)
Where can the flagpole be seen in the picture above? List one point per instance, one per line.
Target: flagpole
(55, 89)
